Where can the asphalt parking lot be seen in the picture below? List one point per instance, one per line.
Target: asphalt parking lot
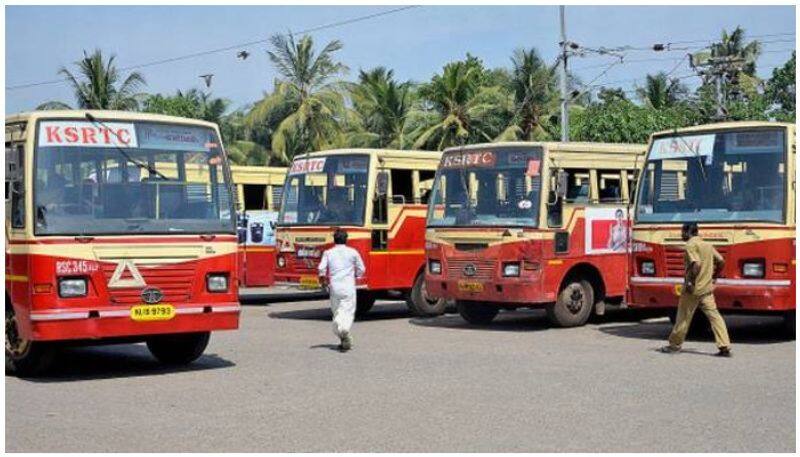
(410, 384)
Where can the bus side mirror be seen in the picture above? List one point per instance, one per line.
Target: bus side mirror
(12, 165)
(382, 184)
(561, 184)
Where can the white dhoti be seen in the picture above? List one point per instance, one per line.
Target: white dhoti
(343, 307)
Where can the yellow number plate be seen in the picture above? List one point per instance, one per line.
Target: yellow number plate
(470, 286)
(159, 312)
(309, 282)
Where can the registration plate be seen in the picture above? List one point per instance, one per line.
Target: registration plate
(309, 282)
(470, 286)
(159, 312)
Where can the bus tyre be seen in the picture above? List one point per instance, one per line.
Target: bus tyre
(789, 324)
(421, 304)
(179, 348)
(23, 357)
(574, 304)
(364, 302)
(476, 313)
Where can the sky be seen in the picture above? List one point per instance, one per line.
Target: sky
(415, 43)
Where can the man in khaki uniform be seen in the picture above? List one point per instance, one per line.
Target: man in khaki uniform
(703, 263)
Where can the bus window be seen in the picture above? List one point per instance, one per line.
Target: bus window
(425, 185)
(610, 187)
(402, 186)
(16, 187)
(578, 186)
(379, 204)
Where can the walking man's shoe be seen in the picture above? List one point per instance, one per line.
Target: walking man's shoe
(347, 342)
(670, 349)
(724, 352)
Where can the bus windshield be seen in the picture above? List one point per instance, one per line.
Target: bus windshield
(493, 187)
(328, 190)
(120, 177)
(731, 176)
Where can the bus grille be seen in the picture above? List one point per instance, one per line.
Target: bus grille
(174, 281)
(673, 259)
(305, 264)
(484, 269)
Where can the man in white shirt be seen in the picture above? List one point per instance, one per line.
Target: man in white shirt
(340, 266)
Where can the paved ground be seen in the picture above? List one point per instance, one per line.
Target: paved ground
(418, 385)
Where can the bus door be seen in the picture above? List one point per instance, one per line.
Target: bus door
(378, 259)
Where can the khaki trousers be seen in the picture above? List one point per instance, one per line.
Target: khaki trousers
(687, 305)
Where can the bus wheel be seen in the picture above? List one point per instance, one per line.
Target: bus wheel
(789, 324)
(179, 348)
(476, 313)
(364, 302)
(24, 357)
(574, 304)
(420, 303)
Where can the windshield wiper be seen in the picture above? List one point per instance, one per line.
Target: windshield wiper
(141, 165)
(696, 155)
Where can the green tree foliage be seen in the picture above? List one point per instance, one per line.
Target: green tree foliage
(306, 109)
(660, 91)
(462, 105)
(381, 107)
(781, 90)
(536, 101)
(97, 85)
(192, 104)
(622, 121)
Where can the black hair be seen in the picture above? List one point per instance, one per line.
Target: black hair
(690, 228)
(339, 236)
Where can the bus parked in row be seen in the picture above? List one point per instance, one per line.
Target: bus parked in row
(529, 224)
(120, 227)
(737, 181)
(259, 196)
(379, 197)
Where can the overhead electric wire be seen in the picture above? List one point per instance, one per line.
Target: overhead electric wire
(228, 48)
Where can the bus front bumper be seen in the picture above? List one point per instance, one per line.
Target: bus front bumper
(507, 292)
(81, 324)
(746, 295)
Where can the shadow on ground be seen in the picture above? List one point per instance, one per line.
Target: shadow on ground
(117, 361)
(267, 299)
(382, 310)
(742, 330)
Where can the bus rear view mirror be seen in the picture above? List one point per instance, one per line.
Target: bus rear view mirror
(561, 184)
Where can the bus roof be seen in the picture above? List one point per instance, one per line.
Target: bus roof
(390, 153)
(724, 126)
(103, 115)
(572, 146)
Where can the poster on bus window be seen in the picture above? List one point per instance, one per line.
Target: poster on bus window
(607, 230)
(261, 227)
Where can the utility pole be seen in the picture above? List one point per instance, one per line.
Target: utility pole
(564, 90)
(719, 71)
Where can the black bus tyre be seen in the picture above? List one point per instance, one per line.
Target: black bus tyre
(420, 303)
(476, 313)
(23, 357)
(179, 348)
(365, 300)
(789, 324)
(574, 304)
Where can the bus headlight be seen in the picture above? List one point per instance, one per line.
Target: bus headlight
(217, 283)
(435, 267)
(281, 261)
(72, 287)
(647, 268)
(753, 269)
(511, 269)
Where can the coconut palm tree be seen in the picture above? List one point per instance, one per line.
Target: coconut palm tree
(660, 91)
(533, 84)
(381, 106)
(459, 108)
(95, 85)
(304, 112)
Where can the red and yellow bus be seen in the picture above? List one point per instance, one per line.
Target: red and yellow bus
(119, 227)
(737, 181)
(529, 224)
(379, 197)
(259, 195)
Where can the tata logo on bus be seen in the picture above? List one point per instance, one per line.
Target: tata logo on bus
(87, 134)
(316, 165)
(469, 159)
